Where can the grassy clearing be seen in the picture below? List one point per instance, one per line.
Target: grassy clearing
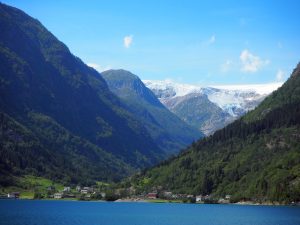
(28, 185)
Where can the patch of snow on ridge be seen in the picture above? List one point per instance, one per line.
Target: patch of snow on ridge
(262, 89)
(178, 88)
(233, 99)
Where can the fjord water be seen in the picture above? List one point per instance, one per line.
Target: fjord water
(26, 212)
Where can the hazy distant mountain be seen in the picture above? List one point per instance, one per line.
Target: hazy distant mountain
(209, 108)
(58, 117)
(168, 131)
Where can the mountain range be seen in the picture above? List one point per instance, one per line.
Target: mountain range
(58, 117)
(167, 130)
(62, 120)
(209, 108)
(255, 158)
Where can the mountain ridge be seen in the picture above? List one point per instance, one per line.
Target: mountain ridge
(169, 132)
(255, 158)
(209, 108)
(45, 88)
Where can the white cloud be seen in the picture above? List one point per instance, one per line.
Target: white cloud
(98, 67)
(212, 39)
(279, 44)
(128, 41)
(280, 75)
(250, 62)
(225, 67)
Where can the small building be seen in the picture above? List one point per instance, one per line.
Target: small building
(69, 196)
(67, 189)
(88, 195)
(86, 190)
(207, 197)
(181, 196)
(50, 188)
(103, 194)
(174, 196)
(168, 194)
(199, 198)
(227, 197)
(78, 188)
(58, 195)
(13, 195)
(152, 195)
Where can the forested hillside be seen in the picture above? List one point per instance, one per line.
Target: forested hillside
(168, 131)
(58, 117)
(255, 158)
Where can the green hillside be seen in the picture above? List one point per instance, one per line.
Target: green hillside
(168, 131)
(59, 119)
(255, 158)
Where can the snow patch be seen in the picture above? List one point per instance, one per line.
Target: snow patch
(233, 99)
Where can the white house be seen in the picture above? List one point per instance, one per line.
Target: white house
(58, 195)
(199, 198)
(84, 191)
(78, 188)
(67, 189)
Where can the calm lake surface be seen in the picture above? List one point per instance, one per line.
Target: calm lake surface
(26, 212)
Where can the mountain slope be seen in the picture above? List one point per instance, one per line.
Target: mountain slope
(196, 110)
(167, 130)
(209, 108)
(40, 76)
(49, 150)
(255, 158)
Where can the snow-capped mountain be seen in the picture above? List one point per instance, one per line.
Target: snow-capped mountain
(209, 108)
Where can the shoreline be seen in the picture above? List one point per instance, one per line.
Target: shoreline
(159, 201)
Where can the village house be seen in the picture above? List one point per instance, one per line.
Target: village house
(78, 188)
(13, 195)
(58, 195)
(199, 198)
(103, 195)
(67, 189)
(50, 188)
(207, 197)
(86, 190)
(152, 195)
(227, 197)
(225, 200)
(181, 196)
(167, 194)
(69, 195)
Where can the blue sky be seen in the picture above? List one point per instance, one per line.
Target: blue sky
(196, 42)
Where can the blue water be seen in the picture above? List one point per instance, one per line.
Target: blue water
(23, 212)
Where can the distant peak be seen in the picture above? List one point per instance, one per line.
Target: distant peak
(182, 89)
(120, 73)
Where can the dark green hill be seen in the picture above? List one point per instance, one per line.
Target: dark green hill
(65, 106)
(49, 150)
(255, 158)
(167, 130)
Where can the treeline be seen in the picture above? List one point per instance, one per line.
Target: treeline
(285, 116)
(48, 150)
(257, 160)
